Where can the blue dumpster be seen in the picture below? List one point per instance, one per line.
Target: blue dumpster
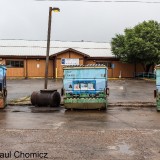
(158, 87)
(3, 87)
(85, 87)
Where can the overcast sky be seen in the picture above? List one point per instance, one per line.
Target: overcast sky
(98, 22)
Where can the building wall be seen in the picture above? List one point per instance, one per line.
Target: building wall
(69, 54)
(32, 68)
(124, 70)
(90, 62)
(15, 72)
(120, 69)
(36, 67)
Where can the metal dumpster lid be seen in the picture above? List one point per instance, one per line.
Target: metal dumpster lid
(3, 66)
(86, 66)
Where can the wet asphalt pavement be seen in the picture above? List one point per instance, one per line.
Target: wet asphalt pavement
(24, 87)
(131, 133)
(120, 90)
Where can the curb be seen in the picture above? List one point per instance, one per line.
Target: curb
(145, 79)
(117, 104)
(150, 105)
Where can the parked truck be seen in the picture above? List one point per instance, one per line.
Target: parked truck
(85, 87)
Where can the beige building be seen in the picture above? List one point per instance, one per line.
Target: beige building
(26, 59)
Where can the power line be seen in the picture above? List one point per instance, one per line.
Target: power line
(101, 1)
(5, 46)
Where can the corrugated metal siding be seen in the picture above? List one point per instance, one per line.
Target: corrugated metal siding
(38, 48)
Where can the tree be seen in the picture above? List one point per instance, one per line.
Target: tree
(140, 44)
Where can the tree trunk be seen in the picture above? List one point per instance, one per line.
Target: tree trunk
(144, 67)
(147, 68)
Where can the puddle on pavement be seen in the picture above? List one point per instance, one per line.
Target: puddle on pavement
(32, 109)
(123, 148)
(56, 125)
(45, 110)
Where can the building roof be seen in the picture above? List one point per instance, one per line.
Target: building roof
(38, 48)
(70, 50)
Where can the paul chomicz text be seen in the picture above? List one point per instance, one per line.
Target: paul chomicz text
(24, 155)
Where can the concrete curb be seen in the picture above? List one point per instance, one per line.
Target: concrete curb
(130, 104)
(145, 79)
(24, 101)
(116, 104)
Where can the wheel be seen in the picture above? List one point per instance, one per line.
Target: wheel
(5, 93)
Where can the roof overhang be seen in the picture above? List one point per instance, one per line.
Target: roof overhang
(69, 50)
(20, 57)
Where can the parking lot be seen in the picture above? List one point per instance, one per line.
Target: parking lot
(118, 133)
(120, 90)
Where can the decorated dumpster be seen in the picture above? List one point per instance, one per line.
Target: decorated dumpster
(3, 88)
(85, 87)
(157, 93)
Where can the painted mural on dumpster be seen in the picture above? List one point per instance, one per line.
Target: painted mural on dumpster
(85, 81)
(158, 80)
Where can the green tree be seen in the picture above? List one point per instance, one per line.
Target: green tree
(140, 44)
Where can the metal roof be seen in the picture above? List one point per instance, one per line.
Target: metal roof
(38, 48)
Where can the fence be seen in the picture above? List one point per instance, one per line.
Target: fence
(145, 75)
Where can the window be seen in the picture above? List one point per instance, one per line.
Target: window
(14, 63)
(107, 64)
